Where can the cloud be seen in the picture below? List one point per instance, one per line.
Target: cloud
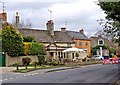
(77, 13)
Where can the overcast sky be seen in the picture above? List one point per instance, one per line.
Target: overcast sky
(77, 13)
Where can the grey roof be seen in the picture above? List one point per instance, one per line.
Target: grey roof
(94, 41)
(44, 35)
(61, 37)
(77, 35)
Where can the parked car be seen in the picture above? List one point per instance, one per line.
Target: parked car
(115, 61)
(107, 61)
(98, 57)
(111, 61)
(119, 60)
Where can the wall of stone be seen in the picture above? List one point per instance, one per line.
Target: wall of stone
(18, 60)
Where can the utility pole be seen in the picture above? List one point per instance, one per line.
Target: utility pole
(50, 14)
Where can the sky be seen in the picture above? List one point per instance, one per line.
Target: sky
(72, 14)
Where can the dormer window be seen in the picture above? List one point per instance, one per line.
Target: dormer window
(100, 42)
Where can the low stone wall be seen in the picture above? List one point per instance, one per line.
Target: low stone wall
(18, 60)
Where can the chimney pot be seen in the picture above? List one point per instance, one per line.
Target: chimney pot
(81, 31)
(63, 29)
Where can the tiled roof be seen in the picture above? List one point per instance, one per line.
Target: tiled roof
(94, 41)
(44, 35)
(62, 37)
(77, 35)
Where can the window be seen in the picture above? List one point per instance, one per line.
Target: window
(80, 43)
(100, 42)
(86, 43)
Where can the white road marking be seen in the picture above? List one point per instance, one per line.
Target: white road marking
(24, 75)
(10, 78)
(28, 74)
(5, 79)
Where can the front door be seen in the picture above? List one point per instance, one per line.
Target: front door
(52, 55)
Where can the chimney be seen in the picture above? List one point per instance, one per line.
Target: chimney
(81, 31)
(63, 29)
(50, 27)
(3, 17)
(17, 19)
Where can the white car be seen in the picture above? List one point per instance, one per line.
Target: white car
(98, 57)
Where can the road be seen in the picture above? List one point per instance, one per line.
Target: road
(87, 74)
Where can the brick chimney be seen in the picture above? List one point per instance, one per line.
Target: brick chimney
(3, 17)
(81, 31)
(63, 29)
(17, 21)
(50, 27)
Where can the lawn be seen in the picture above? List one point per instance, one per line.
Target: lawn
(32, 68)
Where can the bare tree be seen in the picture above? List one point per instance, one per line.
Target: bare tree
(26, 24)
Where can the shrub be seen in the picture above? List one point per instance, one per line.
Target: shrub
(27, 47)
(55, 63)
(41, 59)
(28, 39)
(49, 63)
(26, 61)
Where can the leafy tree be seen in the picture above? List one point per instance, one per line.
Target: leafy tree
(12, 41)
(112, 24)
(37, 48)
(94, 49)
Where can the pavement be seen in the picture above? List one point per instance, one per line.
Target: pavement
(4, 70)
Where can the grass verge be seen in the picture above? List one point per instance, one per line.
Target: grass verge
(23, 70)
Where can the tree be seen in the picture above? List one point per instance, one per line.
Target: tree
(27, 24)
(12, 41)
(37, 48)
(112, 24)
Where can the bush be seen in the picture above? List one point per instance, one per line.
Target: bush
(41, 59)
(37, 48)
(28, 39)
(55, 63)
(27, 47)
(49, 63)
(26, 61)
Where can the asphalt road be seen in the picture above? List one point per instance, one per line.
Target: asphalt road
(86, 74)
